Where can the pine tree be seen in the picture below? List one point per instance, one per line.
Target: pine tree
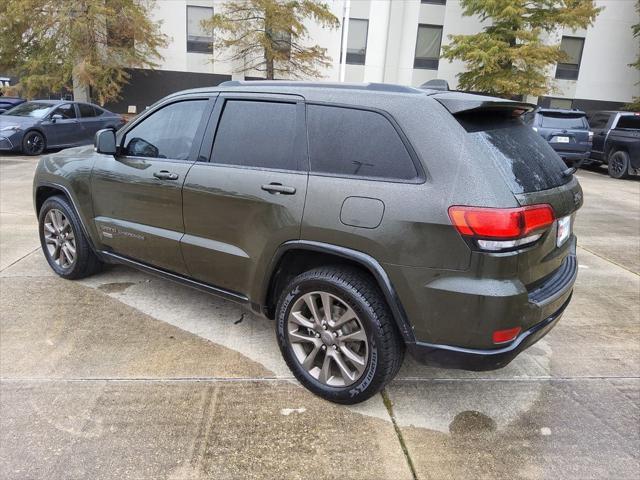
(509, 57)
(270, 36)
(87, 45)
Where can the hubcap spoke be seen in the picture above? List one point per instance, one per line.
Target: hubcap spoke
(326, 306)
(309, 299)
(357, 336)
(355, 359)
(325, 371)
(308, 362)
(297, 337)
(346, 373)
(298, 318)
(349, 314)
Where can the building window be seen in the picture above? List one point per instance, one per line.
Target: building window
(572, 47)
(357, 41)
(428, 47)
(435, 2)
(198, 39)
(562, 103)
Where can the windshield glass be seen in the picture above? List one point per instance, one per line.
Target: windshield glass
(30, 109)
(563, 121)
(525, 159)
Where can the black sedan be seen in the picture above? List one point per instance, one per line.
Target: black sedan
(33, 126)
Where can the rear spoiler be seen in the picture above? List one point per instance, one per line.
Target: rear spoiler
(458, 102)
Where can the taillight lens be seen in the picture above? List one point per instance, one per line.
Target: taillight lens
(498, 229)
(504, 336)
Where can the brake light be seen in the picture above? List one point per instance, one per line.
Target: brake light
(504, 336)
(498, 229)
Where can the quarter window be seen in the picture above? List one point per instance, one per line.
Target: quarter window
(350, 142)
(257, 134)
(428, 47)
(67, 111)
(199, 40)
(86, 110)
(166, 133)
(572, 48)
(357, 41)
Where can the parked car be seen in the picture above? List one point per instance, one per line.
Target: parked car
(567, 131)
(365, 220)
(616, 141)
(31, 127)
(7, 103)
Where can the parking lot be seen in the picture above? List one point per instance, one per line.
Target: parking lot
(124, 375)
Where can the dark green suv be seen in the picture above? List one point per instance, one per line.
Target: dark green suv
(365, 220)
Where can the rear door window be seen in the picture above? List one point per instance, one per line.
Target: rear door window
(629, 121)
(258, 134)
(564, 121)
(351, 142)
(524, 158)
(86, 111)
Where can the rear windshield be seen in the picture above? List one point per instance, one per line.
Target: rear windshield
(564, 121)
(629, 121)
(525, 159)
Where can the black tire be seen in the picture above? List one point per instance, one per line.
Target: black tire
(33, 143)
(85, 262)
(618, 164)
(359, 292)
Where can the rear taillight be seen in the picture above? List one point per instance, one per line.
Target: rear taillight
(497, 229)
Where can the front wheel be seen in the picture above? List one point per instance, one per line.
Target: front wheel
(337, 335)
(618, 165)
(33, 143)
(63, 242)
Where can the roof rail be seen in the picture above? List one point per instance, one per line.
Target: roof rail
(376, 87)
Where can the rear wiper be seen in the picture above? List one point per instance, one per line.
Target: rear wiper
(571, 170)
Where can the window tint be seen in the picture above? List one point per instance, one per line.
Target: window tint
(199, 39)
(572, 48)
(86, 110)
(167, 133)
(257, 134)
(523, 157)
(346, 141)
(428, 47)
(564, 121)
(599, 120)
(629, 121)
(67, 111)
(357, 41)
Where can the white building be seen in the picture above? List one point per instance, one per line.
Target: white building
(399, 41)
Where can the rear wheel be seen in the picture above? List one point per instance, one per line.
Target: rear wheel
(63, 242)
(336, 334)
(33, 143)
(618, 164)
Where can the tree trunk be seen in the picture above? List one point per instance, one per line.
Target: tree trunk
(81, 91)
(269, 61)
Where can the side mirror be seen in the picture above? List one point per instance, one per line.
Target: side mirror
(55, 117)
(105, 141)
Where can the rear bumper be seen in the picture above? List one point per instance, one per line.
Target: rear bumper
(480, 360)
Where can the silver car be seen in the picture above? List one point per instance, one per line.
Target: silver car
(33, 126)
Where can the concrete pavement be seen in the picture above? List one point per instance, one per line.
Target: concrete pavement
(124, 375)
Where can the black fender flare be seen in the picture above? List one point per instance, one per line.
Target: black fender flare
(364, 260)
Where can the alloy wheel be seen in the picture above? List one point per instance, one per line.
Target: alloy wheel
(617, 164)
(328, 339)
(34, 144)
(59, 238)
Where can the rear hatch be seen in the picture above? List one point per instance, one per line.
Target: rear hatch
(566, 131)
(531, 169)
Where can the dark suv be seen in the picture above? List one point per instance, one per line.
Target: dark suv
(365, 220)
(567, 131)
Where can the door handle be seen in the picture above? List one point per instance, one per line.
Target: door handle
(165, 175)
(277, 188)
